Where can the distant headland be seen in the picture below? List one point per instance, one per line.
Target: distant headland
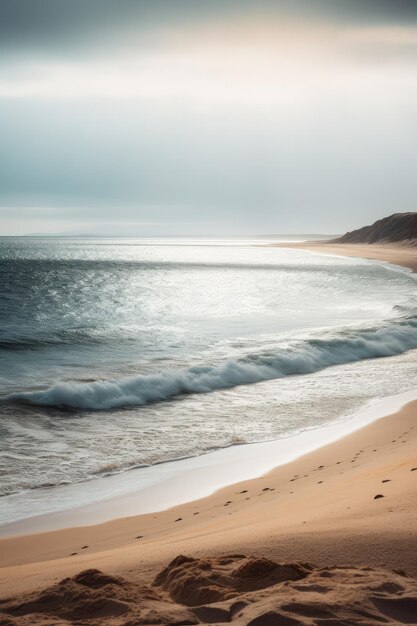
(397, 228)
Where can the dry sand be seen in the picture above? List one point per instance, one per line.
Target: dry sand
(349, 508)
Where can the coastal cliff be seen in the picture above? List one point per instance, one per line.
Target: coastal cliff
(397, 228)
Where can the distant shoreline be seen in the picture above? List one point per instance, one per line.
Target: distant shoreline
(395, 254)
(297, 236)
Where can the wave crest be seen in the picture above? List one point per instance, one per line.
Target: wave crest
(304, 358)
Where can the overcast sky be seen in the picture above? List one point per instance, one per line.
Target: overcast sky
(158, 117)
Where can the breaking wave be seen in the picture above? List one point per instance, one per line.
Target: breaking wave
(302, 358)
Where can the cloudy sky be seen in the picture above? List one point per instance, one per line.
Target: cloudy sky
(157, 117)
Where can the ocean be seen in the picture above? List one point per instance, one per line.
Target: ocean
(123, 353)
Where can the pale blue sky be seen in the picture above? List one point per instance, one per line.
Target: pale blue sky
(188, 117)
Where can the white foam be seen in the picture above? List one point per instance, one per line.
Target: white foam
(302, 358)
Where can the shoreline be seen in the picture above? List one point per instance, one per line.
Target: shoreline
(320, 507)
(334, 519)
(163, 486)
(393, 254)
(158, 487)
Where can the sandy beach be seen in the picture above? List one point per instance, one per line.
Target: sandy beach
(396, 254)
(350, 504)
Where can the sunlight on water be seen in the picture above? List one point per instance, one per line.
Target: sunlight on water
(117, 353)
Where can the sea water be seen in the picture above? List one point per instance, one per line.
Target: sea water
(122, 353)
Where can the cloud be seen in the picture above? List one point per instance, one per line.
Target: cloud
(259, 116)
(240, 62)
(63, 27)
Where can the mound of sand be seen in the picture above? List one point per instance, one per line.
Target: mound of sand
(194, 582)
(243, 590)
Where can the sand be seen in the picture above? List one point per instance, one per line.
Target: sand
(231, 588)
(315, 541)
(397, 254)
